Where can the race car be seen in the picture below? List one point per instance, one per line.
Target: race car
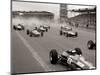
(66, 27)
(72, 59)
(18, 27)
(34, 32)
(68, 32)
(42, 29)
(91, 44)
(46, 27)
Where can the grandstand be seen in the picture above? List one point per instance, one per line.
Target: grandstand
(87, 18)
(38, 14)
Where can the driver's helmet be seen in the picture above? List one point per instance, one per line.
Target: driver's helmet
(71, 52)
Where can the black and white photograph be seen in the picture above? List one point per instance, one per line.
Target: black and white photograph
(52, 37)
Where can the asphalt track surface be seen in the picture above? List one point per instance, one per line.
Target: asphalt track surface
(31, 54)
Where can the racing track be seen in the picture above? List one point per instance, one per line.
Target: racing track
(31, 54)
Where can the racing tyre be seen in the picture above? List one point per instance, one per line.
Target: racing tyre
(53, 56)
(78, 51)
(60, 32)
(42, 34)
(66, 34)
(30, 34)
(46, 30)
(27, 32)
(76, 34)
(14, 27)
(90, 44)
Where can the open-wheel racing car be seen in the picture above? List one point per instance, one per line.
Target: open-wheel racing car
(91, 44)
(42, 29)
(67, 31)
(46, 27)
(34, 32)
(72, 59)
(18, 27)
(66, 27)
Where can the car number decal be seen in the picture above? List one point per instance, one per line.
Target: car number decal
(69, 60)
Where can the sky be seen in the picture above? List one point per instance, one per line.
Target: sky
(54, 8)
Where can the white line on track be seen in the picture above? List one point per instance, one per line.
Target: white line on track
(35, 54)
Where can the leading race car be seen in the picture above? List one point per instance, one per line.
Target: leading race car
(68, 32)
(18, 27)
(91, 44)
(70, 58)
(34, 32)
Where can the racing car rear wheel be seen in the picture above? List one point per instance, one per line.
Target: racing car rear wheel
(53, 56)
(46, 30)
(27, 32)
(90, 44)
(14, 27)
(30, 34)
(67, 35)
(42, 34)
(60, 32)
(76, 34)
(78, 51)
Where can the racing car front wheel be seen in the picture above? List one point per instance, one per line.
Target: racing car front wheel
(78, 51)
(76, 34)
(27, 31)
(46, 30)
(42, 33)
(67, 35)
(30, 34)
(90, 44)
(53, 56)
(60, 32)
(14, 27)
